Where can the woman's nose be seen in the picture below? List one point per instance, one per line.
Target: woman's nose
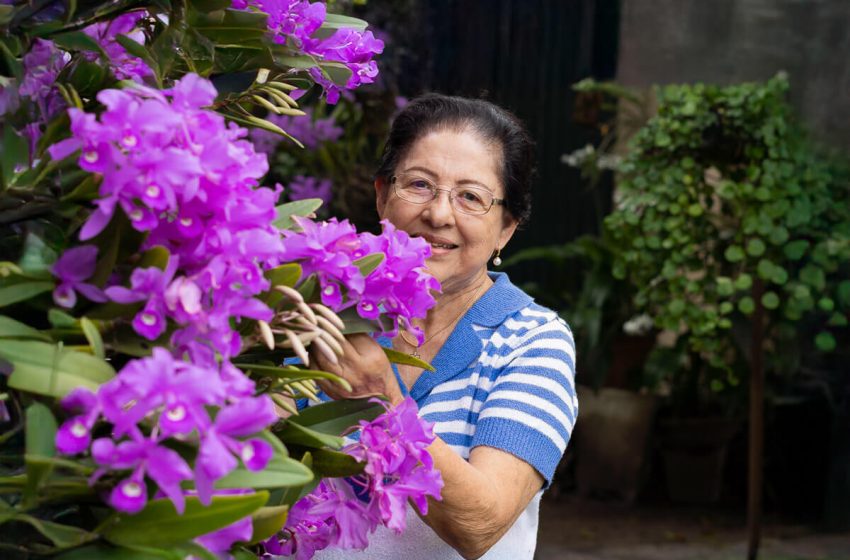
(440, 209)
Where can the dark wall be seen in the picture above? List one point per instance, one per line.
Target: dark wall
(727, 41)
(525, 55)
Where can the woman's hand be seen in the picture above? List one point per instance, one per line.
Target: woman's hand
(364, 365)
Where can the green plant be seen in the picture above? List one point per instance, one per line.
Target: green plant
(725, 210)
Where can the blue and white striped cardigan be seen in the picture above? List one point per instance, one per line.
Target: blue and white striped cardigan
(504, 378)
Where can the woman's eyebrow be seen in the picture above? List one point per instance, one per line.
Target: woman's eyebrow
(433, 175)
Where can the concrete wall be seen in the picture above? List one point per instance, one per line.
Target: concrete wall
(728, 41)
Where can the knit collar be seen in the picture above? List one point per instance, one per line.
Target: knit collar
(464, 344)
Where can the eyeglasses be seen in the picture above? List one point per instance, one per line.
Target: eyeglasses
(467, 199)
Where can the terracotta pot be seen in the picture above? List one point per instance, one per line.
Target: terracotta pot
(611, 440)
(694, 451)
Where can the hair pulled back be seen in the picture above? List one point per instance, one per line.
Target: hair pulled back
(433, 111)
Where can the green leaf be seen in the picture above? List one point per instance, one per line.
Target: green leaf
(50, 370)
(826, 304)
(280, 472)
(336, 417)
(61, 320)
(93, 337)
(138, 50)
(62, 536)
(88, 78)
(796, 249)
(337, 72)
(296, 434)
(397, 357)
(161, 526)
(10, 328)
(284, 275)
(106, 552)
(724, 286)
(844, 292)
(765, 269)
(78, 41)
(287, 372)
(336, 464)
(746, 305)
(206, 6)
(299, 62)
(339, 21)
(303, 207)
(770, 300)
(40, 444)
(734, 254)
(813, 276)
(369, 263)
(15, 153)
(41, 431)
(825, 341)
(743, 282)
(267, 521)
(755, 247)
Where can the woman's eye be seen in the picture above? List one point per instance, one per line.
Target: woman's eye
(419, 185)
(471, 196)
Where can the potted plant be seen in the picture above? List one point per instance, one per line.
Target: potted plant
(731, 229)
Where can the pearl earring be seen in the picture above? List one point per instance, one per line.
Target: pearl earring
(497, 261)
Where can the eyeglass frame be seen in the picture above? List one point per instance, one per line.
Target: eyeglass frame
(437, 190)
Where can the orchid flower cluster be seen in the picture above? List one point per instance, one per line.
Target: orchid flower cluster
(399, 289)
(187, 180)
(341, 513)
(295, 22)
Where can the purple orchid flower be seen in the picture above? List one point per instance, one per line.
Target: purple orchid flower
(74, 436)
(72, 268)
(220, 444)
(145, 457)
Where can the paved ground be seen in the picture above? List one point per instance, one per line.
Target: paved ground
(571, 529)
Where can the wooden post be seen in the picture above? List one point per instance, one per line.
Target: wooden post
(756, 436)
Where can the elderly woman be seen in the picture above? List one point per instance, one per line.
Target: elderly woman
(456, 172)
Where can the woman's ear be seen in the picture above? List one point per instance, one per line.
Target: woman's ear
(381, 194)
(509, 226)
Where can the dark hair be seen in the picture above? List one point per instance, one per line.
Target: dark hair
(434, 111)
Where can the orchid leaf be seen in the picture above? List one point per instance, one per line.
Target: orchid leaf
(397, 357)
(336, 417)
(369, 263)
(79, 41)
(267, 521)
(160, 525)
(22, 291)
(138, 50)
(10, 328)
(93, 337)
(296, 434)
(303, 207)
(51, 370)
(328, 463)
(62, 536)
(40, 442)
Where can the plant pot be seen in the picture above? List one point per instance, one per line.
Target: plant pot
(694, 451)
(611, 440)
(629, 354)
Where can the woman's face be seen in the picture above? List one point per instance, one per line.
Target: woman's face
(461, 244)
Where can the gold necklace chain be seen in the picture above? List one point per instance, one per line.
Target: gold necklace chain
(416, 346)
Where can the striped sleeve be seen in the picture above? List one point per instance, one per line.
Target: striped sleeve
(532, 406)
